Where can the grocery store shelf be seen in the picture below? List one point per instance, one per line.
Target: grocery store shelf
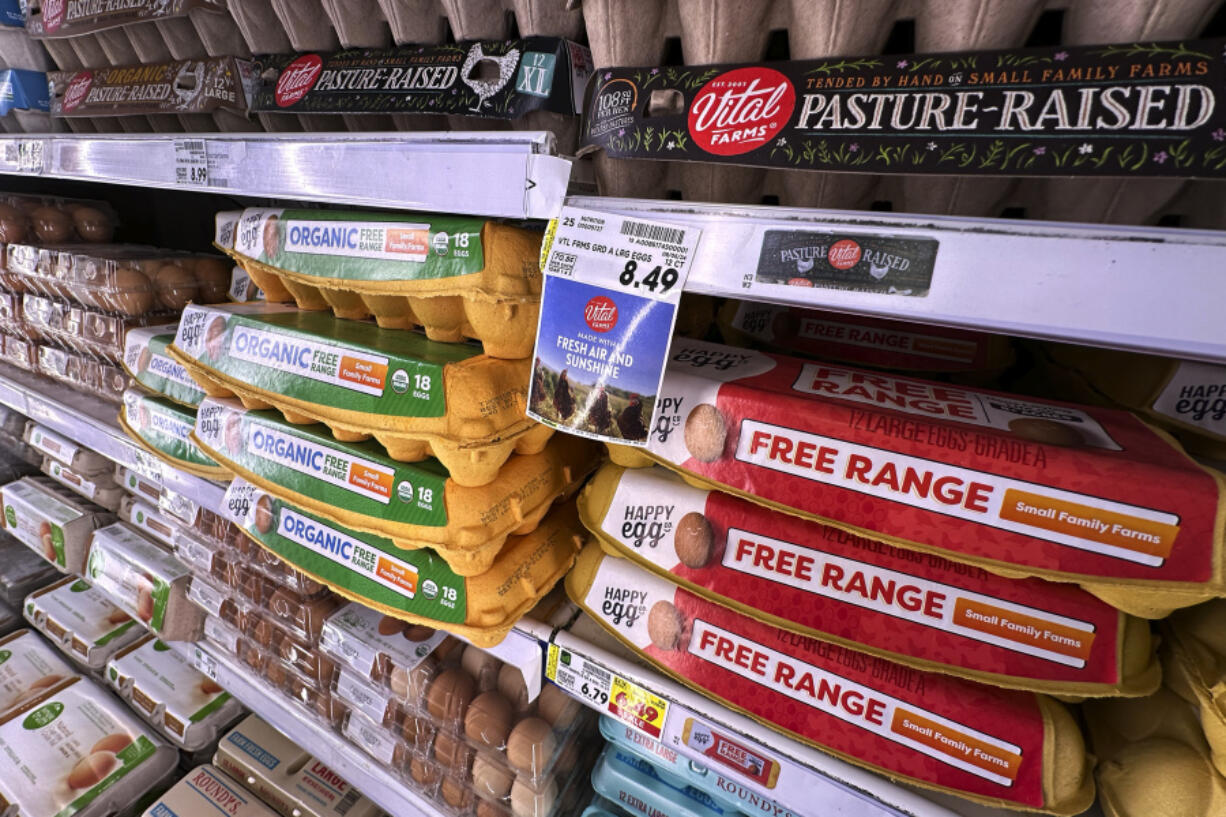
(85, 419)
(360, 770)
(514, 174)
(1135, 288)
(583, 657)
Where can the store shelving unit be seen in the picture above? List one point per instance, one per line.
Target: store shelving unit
(1117, 286)
(513, 174)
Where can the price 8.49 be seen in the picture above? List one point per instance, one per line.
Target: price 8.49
(662, 277)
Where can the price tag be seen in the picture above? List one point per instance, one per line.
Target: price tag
(191, 163)
(30, 155)
(608, 305)
(204, 662)
(148, 466)
(606, 691)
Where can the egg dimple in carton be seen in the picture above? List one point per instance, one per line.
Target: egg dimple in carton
(145, 580)
(78, 750)
(51, 520)
(1153, 758)
(187, 708)
(85, 372)
(164, 429)
(128, 280)
(455, 276)
(99, 489)
(923, 459)
(1194, 662)
(33, 666)
(416, 505)
(80, 620)
(418, 398)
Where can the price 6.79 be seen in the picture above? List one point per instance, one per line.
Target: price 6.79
(661, 277)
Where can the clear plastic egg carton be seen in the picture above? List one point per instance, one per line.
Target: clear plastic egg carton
(82, 372)
(724, 31)
(12, 321)
(220, 549)
(127, 280)
(54, 220)
(22, 571)
(18, 351)
(82, 329)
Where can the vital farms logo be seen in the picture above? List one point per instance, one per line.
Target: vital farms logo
(843, 254)
(298, 78)
(78, 89)
(53, 14)
(600, 314)
(741, 110)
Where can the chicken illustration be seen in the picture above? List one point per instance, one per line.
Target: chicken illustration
(537, 397)
(599, 414)
(563, 400)
(878, 272)
(630, 421)
(483, 87)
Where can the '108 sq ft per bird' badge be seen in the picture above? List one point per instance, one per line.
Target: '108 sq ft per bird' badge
(609, 301)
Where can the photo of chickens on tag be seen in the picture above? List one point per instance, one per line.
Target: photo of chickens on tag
(608, 305)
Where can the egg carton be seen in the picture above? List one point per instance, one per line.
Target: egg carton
(19, 352)
(83, 372)
(22, 571)
(236, 555)
(128, 280)
(81, 621)
(82, 329)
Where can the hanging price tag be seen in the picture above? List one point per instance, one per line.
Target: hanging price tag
(191, 163)
(30, 155)
(608, 305)
(204, 662)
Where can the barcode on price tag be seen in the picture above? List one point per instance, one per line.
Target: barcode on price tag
(148, 466)
(30, 156)
(191, 163)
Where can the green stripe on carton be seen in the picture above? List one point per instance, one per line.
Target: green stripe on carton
(455, 248)
(440, 595)
(168, 444)
(411, 384)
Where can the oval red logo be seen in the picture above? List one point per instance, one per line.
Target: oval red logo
(297, 78)
(741, 110)
(53, 14)
(600, 314)
(77, 90)
(843, 254)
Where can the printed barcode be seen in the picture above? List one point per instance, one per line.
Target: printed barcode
(593, 671)
(652, 232)
(347, 802)
(194, 145)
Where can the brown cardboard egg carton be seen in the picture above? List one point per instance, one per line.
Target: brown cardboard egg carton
(714, 31)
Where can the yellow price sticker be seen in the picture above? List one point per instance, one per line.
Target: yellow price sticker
(634, 705)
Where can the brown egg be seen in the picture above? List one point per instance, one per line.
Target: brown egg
(530, 801)
(486, 808)
(51, 225)
(210, 687)
(48, 543)
(491, 778)
(411, 685)
(449, 645)
(488, 721)
(450, 751)
(530, 746)
(92, 224)
(14, 224)
(175, 286)
(423, 772)
(455, 793)
(482, 666)
(449, 695)
(144, 598)
(115, 742)
(556, 706)
(118, 617)
(390, 625)
(416, 731)
(418, 633)
(91, 770)
(213, 276)
(130, 293)
(567, 758)
(511, 684)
